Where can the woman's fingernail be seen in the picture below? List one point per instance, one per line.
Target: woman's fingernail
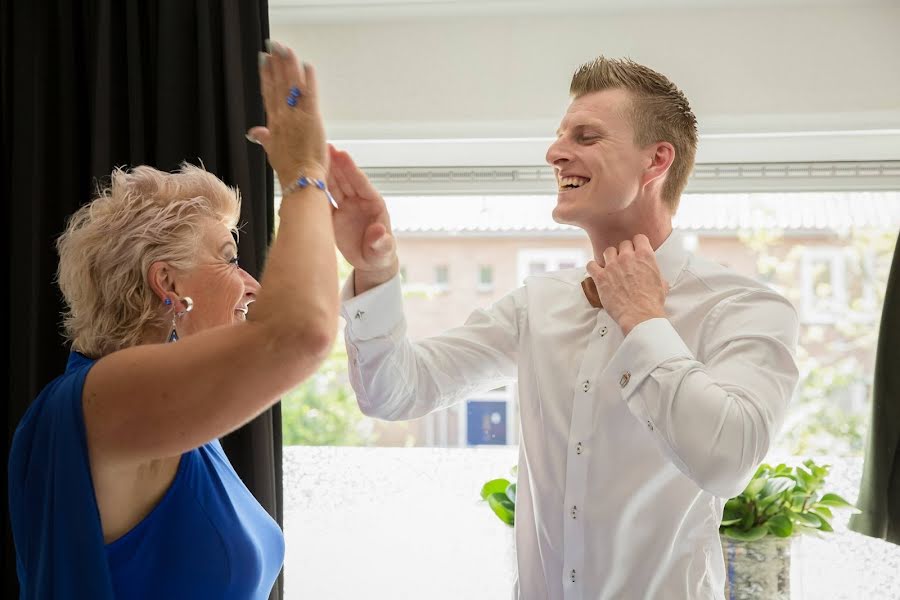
(281, 50)
(251, 138)
(263, 58)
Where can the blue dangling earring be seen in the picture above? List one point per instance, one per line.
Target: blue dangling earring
(173, 335)
(188, 307)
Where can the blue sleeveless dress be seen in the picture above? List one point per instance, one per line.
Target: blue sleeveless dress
(207, 538)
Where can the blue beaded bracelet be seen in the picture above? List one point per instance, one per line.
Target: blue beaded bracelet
(302, 182)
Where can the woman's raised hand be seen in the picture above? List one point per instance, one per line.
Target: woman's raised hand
(294, 135)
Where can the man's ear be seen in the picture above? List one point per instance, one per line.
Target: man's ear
(661, 155)
(160, 276)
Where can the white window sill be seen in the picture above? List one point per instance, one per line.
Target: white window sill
(389, 523)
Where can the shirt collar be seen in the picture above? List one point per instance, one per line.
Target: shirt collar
(670, 257)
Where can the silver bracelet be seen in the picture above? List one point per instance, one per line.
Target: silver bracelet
(302, 182)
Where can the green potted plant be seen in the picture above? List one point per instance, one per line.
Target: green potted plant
(500, 494)
(757, 525)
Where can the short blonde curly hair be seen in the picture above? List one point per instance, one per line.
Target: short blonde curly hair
(105, 253)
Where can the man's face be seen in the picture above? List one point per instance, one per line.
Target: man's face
(598, 167)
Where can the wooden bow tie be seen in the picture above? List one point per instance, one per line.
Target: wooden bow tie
(590, 291)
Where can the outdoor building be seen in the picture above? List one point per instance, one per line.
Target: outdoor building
(827, 252)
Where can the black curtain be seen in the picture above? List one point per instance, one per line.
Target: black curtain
(88, 85)
(879, 494)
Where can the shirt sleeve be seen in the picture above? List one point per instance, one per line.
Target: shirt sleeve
(397, 379)
(715, 415)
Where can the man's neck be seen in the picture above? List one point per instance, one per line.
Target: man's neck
(657, 228)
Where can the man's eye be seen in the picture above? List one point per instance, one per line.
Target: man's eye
(235, 262)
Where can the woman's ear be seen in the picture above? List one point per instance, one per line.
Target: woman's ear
(160, 277)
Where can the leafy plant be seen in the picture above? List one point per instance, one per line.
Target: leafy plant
(781, 501)
(500, 494)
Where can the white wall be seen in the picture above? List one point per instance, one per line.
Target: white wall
(748, 70)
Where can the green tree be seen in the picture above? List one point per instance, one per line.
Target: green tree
(834, 358)
(322, 411)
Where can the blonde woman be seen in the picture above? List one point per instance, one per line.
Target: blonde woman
(118, 485)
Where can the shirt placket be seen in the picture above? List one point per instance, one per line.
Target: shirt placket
(578, 458)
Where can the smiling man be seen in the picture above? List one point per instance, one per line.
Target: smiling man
(651, 382)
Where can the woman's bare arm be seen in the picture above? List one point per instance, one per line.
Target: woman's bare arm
(156, 401)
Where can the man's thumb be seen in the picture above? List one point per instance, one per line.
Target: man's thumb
(384, 244)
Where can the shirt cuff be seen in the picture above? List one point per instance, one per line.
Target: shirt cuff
(647, 346)
(374, 313)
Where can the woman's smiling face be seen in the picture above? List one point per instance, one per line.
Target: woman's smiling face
(220, 289)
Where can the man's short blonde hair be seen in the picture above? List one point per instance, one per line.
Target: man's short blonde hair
(105, 253)
(660, 112)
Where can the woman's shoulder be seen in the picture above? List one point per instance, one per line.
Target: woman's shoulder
(51, 499)
(59, 404)
(51, 436)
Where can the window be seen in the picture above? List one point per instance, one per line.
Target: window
(835, 275)
(487, 419)
(485, 278)
(828, 278)
(417, 494)
(534, 261)
(536, 267)
(828, 253)
(442, 278)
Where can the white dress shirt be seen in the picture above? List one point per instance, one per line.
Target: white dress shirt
(629, 445)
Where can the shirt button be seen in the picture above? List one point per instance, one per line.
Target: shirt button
(626, 377)
(604, 330)
(578, 448)
(574, 511)
(586, 386)
(573, 575)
